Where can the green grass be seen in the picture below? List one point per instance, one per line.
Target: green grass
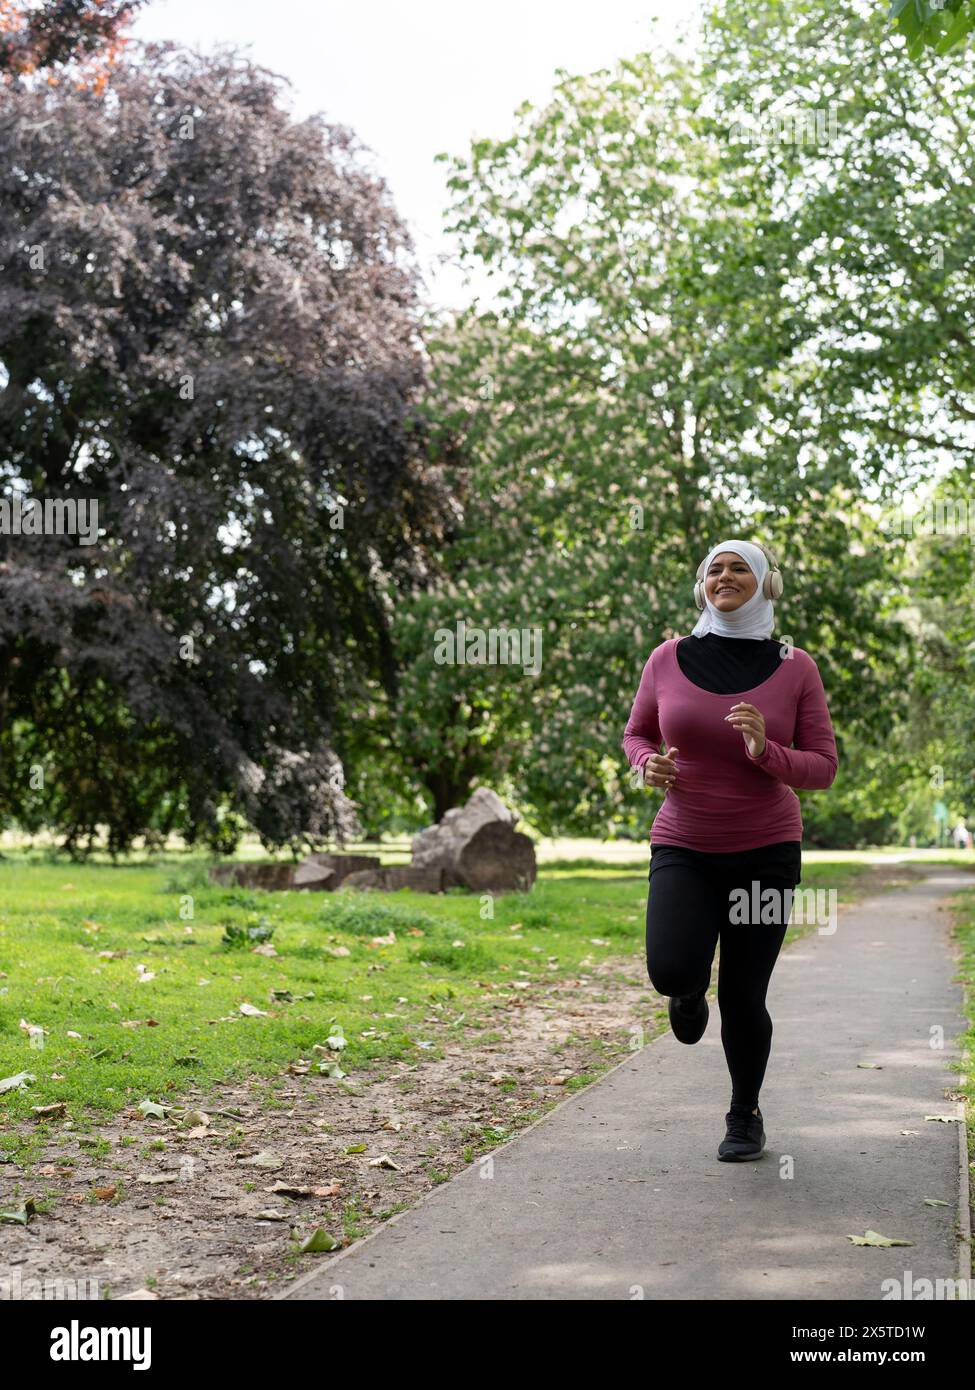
(72, 937)
(964, 933)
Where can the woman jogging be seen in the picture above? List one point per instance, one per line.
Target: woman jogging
(744, 719)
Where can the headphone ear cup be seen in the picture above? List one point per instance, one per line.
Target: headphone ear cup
(699, 587)
(772, 588)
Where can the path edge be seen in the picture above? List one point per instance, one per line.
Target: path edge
(321, 1269)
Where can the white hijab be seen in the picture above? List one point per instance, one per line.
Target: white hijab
(756, 617)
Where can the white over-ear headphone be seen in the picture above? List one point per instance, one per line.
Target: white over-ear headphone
(772, 585)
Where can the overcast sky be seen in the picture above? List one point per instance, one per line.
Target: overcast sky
(414, 79)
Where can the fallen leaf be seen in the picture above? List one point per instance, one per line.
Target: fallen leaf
(17, 1082)
(262, 1160)
(331, 1069)
(150, 1108)
(935, 1202)
(19, 1216)
(873, 1066)
(271, 1216)
(287, 1189)
(384, 1161)
(250, 1012)
(265, 949)
(318, 1241)
(105, 1194)
(157, 1177)
(48, 1112)
(875, 1238)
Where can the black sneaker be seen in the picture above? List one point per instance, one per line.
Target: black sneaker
(745, 1137)
(688, 1018)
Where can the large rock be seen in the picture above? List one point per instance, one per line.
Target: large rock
(363, 878)
(395, 876)
(342, 865)
(272, 877)
(478, 847)
(318, 873)
(313, 878)
(496, 859)
(440, 843)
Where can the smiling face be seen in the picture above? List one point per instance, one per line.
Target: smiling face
(729, 582)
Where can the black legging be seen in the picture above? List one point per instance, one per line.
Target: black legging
(687, 911)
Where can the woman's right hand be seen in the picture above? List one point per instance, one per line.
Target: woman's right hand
(660, 770)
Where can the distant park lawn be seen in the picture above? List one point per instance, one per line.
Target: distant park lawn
(391, 973)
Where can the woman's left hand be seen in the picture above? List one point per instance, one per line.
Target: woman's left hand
(751, 722)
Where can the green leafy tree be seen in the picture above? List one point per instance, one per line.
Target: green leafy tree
(638, 390)
(940, 25)
(873, 197)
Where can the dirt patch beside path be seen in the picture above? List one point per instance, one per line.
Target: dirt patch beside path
(199, 1229)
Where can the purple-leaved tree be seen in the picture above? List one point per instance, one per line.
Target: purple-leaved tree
(208, 327)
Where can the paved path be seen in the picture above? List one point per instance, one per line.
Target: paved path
(618, 1193)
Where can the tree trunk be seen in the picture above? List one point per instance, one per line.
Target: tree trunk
(447, 792)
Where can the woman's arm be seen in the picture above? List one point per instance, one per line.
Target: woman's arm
(811, 763)
(642, 736)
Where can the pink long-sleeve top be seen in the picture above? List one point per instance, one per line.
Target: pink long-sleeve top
(723, 799)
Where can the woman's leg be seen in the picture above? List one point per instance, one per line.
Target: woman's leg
(685, 909)
(749, 950)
